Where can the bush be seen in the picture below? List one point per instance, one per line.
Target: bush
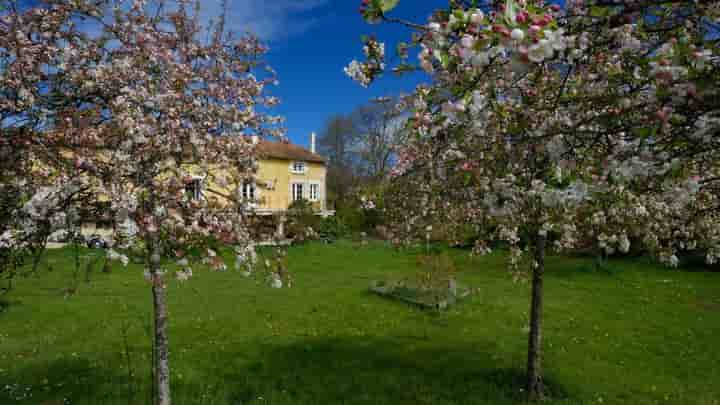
(357, 219)
(364, 211)
(352, 217)
(332, 228)
(302, 222)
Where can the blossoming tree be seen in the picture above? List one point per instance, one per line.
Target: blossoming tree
(130, 110)
(545, 126)
(35, 196)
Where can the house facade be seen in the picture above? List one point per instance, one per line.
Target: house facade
(287, 173)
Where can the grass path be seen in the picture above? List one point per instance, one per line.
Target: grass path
(640, 334)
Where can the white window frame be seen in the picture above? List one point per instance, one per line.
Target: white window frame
(293, 193)
(249, 192)
(314, 186)
(196, 192)
(302, 166)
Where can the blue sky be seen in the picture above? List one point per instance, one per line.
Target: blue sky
(311, 41)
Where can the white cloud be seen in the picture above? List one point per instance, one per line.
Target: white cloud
(270, 20)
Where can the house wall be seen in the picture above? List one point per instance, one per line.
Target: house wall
(278, 172)
(275, 170)
(279, 197)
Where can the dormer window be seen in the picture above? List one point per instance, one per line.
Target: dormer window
(298, 167)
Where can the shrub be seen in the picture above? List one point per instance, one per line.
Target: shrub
(332, 227)
(357, 219)
(352, 217)
(302, 222)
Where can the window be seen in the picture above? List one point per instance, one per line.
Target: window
(297, 191)
(314, 192)
(298, 167)
(194, 189)
(248, 191)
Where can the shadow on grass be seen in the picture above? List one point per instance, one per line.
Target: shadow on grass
(378, 371)
(65, 381)
(6, 303)
(349, 370)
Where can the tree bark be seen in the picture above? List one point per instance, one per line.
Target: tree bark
(534, 364)
(162, 366)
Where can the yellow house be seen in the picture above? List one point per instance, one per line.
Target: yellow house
(286, 173)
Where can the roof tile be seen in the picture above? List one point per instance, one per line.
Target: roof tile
(287, 151)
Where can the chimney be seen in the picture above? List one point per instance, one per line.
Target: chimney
(255, 139)
(312, 142)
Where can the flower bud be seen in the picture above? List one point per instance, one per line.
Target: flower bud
(517, 34)
(477, 17)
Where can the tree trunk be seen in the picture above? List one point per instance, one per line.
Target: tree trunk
(162, 366)
(534, 365)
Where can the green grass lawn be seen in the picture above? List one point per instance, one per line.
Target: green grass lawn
(639, 334)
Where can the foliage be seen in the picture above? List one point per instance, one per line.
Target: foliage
(336, 143)
(361, 147)
(333, 227)
(358, 219)
(380, 132)
(302, 220)
(519, 98)
(132, 109)
(544, 126)
(157, 103)
(301, 207)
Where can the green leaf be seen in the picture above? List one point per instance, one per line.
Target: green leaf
(388, 5)
(599, 11)
(444, 60)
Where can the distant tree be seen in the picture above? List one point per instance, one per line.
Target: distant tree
(336, 144)
(360, 146)
(380, 126)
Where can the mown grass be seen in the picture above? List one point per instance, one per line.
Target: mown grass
(638, 334)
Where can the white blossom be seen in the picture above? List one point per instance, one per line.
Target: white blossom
(356, 71)
(517, 34)
(540, 51)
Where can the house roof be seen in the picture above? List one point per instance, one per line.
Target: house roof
(287, 151)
